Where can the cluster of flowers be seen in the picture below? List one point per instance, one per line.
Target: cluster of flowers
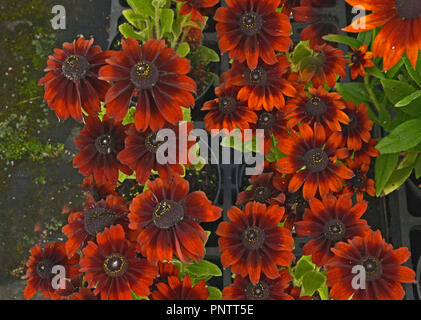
(115, 248)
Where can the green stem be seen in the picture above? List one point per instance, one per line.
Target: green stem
(177, 38)
(371, 93)
(28, 100)
(157, 24)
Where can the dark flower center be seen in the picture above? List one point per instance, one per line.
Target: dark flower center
(97, 219)
(408, 9)
(335, 230)
(227, 105)
(355, 58)
(259, 291)
(167, 214)
(316, 107)
(353, 123)
(151, 142)
(262, 194)
(266, 121)
(373, 267)
(144, 75)
(256, 77)
(253, 238)
(44, 269)
(75, 67)
(104, 144)
(358, 181)
(250, 23)
(297, 203)
(316, 160)
(116, 265)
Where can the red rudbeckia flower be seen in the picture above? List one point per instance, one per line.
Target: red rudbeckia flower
(265, 289)
(84, 294)
(263, 87)
(112, 267)
(295, 292)
(273, 123)
(262, 190)
(180, 290)
(295, 204)
(156, 76)
(252, 29)
(359, 60)
(98, 190)
(326, 63)
(40, 269)
(357, 131)
(367, 152)
(72, 285)
(329, 221)
(359, 184)
(382, 265)
(253, 244)
(226, 112)
(196, 8)
(165, 270)
(99, 143)
(322, 107)
(312, 158)
(167, 217)
(194, 37)
(140, 152)
(84, 225)
(72, 83)
(400, 20)
(321, 24)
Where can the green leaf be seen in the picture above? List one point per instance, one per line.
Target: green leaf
(409, 160)
(376, 72)
(324, 292)
(352, 42)
(214, 293)
(274, 153)
(397, 179)
(365, 37)
(142, 7)
(312, 281)
(396, 90)
(303, 266)
(186, 114)
(122, 176)
(417, 168)
(183, 49)
(166, 18)
(408, 99)
(129, 32)
(137, 297)
(129, 118)
(402, 138)
(391, 73)
(206, 55)
(159, 3)
(232, 141)
(133, 17)
(411, 71)
(354, 91)
(203, 269)
(384, 167)
(302, 50)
